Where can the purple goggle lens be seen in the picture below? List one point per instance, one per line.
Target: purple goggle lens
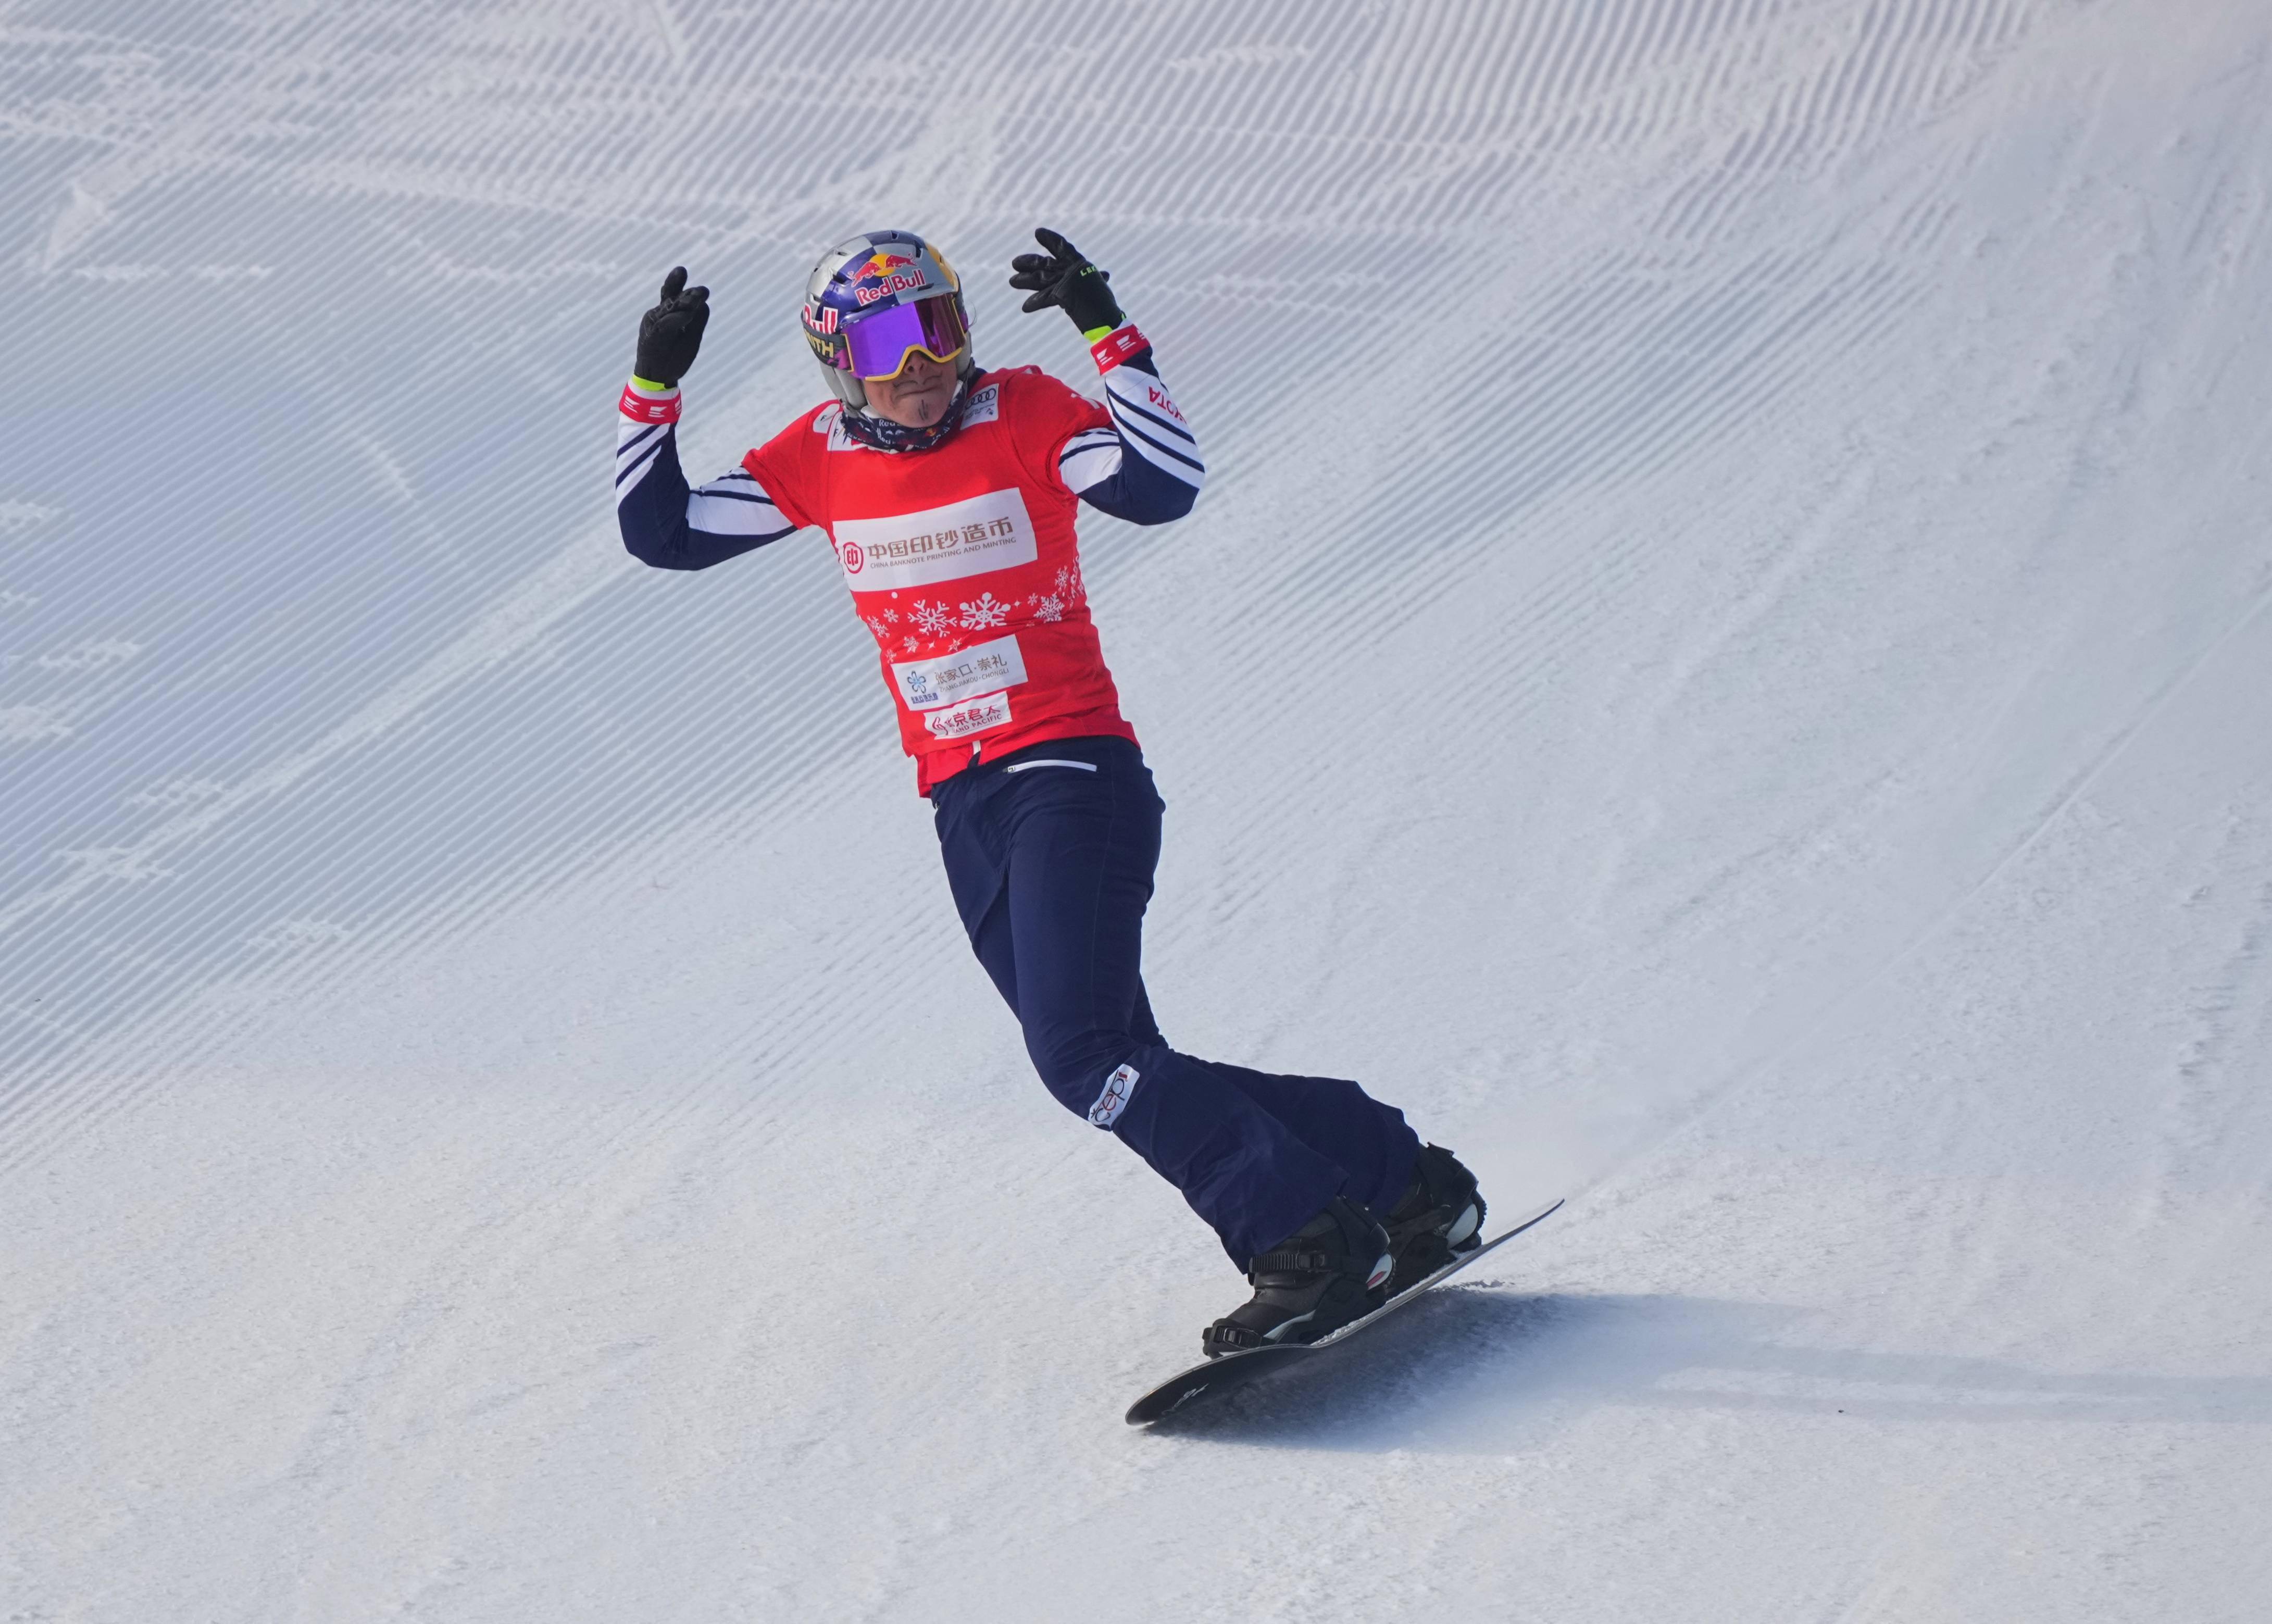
(879, 342)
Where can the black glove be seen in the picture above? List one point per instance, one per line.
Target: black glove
(672, 331)
(1063, 277)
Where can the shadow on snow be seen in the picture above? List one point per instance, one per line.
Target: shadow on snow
(1475, 1370)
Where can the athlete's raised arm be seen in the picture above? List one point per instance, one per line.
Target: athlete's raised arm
(1146, 468)
(665, 522)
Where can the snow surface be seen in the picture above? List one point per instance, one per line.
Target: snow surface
(1756, 724)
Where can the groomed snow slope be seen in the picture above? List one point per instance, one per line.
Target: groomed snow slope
(1767, 736)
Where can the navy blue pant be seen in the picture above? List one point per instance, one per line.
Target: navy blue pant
(1049, 852)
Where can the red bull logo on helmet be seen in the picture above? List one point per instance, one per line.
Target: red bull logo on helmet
(884, 274)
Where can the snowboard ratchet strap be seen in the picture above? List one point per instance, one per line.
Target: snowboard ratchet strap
(1436, 1219)
(1287, 1262)
(1224, 1337)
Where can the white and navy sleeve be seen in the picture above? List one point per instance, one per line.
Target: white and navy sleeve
(1146, 468)
(665, 522)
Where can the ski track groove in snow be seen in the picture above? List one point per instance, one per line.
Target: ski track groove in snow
(490, 1083)
(1575, 47)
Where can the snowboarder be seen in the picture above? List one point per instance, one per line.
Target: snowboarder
(949, 493)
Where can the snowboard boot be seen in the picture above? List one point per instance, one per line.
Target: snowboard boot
(1316, 1280)
(1439, 1215)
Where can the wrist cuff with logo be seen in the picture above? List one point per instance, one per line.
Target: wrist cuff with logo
(641, 403)
(1117, 346)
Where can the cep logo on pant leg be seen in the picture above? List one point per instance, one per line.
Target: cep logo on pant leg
(1114, 1100)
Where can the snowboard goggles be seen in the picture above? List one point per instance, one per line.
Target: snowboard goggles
(879, 343)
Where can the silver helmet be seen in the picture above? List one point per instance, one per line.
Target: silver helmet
(875, 298)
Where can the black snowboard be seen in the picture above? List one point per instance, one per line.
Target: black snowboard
(1236, 1370)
